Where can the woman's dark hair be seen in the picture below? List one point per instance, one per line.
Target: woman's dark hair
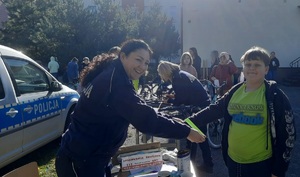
(194, 51)
(97, 65)
(100, 62)
(132, 45)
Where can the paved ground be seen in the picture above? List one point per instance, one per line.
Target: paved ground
(294, 95)
(220, 170)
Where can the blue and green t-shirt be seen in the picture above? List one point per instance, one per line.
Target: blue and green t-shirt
(247, 132)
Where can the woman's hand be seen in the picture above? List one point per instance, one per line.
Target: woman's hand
(169, 95)
(274, 175)
(195, 136)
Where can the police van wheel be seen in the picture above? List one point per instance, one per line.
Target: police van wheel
(68, 119)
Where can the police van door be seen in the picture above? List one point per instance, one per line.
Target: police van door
(10, 119)
(41, 110)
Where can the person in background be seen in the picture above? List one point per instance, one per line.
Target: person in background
(186, 64)
(214, 62)
(259, 130)
(188, 91)
(53, 67)
(273, 66)
(85, 63)
(196, 61)
(107, 105)
(236, 75)
(214, 59)
(73, 73)
(114, 50)
(223, 72)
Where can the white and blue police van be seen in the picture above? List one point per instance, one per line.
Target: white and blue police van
(35, 108)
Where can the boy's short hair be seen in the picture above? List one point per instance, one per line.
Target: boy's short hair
(256, 53)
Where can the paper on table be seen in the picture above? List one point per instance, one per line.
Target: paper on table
(216, 83)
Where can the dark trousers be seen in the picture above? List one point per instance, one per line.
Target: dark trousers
(206, 153)
(259, 169)
(67, 167)
(55, 75)
(271, 75)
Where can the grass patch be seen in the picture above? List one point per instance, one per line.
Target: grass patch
(44, 156)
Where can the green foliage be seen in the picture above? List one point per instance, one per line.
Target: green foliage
(65, 28)
(159, 32)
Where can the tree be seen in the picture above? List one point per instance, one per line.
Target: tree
(159, 32)
(66, 29)
(21, 24)
(40, 28)
(112, 25)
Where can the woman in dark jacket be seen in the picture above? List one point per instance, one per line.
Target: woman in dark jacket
(108, 104)
(188, 91)
(196, 61)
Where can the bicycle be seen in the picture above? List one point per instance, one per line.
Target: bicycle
(182, 112)
(154, 90)
(152, 93)
(214, 129)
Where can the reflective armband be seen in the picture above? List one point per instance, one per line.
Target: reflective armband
(190, 123)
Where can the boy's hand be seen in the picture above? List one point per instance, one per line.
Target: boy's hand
(195, 136)
(170, 95)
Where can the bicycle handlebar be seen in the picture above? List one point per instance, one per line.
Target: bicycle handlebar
(212, 84)
(178, 108)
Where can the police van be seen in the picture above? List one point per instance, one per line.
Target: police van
(35, 108)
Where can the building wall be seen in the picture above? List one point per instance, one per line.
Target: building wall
(237, 25)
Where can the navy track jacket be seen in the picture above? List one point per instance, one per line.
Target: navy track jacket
(107, 105)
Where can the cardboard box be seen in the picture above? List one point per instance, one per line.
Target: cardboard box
(28, 170)
(138, 147)
(142, 159)
(149, 158)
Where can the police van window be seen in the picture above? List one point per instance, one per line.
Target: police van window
(28, 77)
(2, 94)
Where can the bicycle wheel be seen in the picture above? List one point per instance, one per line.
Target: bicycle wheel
(214, 133)
(146, 92)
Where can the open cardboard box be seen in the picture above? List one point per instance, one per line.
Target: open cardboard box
(28, 170)
(128, 149)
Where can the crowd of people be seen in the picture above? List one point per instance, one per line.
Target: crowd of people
(258, 134)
